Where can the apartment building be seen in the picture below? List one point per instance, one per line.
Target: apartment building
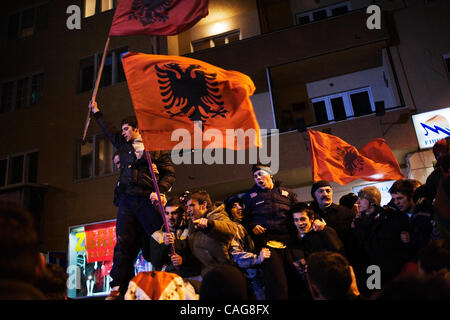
(315, 64)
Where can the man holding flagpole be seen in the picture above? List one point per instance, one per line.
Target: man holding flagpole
(137, 217)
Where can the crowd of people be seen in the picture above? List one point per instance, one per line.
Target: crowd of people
(262, 244)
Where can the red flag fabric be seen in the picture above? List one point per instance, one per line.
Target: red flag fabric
(172, 92)
(100, 241)
(333, 159)
(159, 285)
(156, 17)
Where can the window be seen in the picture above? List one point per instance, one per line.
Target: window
(37, 83)
(323, 13)
(7, 97)
(22, 92)
(119, 66)
(19, 168)
(216, 40)
(92, 7)
(112, 70)
(104, 153)
(27, 22)
(3, 169)
(94, 157)
(107, 71)
(447, 63)
(87, 74)
(343, 105)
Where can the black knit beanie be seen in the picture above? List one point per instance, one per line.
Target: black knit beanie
(317, 185)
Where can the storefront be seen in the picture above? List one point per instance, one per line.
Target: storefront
(91, 249)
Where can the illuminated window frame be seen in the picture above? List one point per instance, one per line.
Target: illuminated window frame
(216, 40)
(93, 7)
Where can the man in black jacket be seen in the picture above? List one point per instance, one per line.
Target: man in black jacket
(336, 216)
(267, 219)
(136, 214)
(309, 241)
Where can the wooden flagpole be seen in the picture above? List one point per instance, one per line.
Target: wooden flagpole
(94, 93)
(155, 184)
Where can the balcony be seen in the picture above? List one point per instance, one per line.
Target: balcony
(252, 55)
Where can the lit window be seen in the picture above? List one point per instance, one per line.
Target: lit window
(92, 7)
(107, 5)
(216, 40)
(89, 8)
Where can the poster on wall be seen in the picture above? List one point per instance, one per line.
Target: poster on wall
(431, 127)
(91, 250)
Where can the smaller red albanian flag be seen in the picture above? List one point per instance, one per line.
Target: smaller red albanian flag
(156, 17)
(333, 159)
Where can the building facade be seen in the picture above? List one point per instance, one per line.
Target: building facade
(315, 64)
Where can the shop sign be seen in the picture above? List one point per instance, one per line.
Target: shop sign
(431, 127)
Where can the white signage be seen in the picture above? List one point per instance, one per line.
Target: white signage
(431, 127)
(383, 187)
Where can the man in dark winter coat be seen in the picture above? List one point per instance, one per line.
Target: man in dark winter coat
(336, 216)
(266, 217)
(386, 236)
(136, 214)
(368, 205)
(308, 240)
(440, 149)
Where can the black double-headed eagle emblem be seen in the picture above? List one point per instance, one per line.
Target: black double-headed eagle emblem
(351, 160)
(150, 11)
(194, 92)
